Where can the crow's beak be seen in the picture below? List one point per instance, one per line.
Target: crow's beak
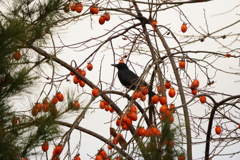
(115, 65)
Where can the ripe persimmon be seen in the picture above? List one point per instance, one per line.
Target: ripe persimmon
(77, 157)
(111, 109)
(107, 108)
(94, 9)
(45, 105)
(82, 72)
(154, 24)
(17, 55)
(228, 55)
(195, 83)
(144, 90)
(106, 16)
(155, 99)
(60, 96)
(118, 122)
(184, 27)
(125, 127)
(101, 20)
(182, 64)
(154, 130)
(163, 108)
(105, 102)
(98, 157)
(133, 109)
(38, 106)
(141, 131)
(194, 91)
(54, 100)
(121, 61)
(34, 111)
(79, 7)
(76, 105)
(73, 7)
(133, 116)
(102, 105)
(148, 132)
(135, 95)
(143, 97)
(45, 146)
(81, 83)
(167, 112)
(95, 92)
(167, 84)
(129, 122)
(218, 129)
(76, 80)
(202, 99)
(89, 66)
(123, 117)
(163, 100)
(110, 147)
(171, 92)
(102, 153)
(58, 149)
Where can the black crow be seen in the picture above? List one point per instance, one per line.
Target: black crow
(129, 79)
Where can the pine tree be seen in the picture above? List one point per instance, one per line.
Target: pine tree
(22, 24)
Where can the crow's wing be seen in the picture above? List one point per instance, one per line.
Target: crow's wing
(128, 78)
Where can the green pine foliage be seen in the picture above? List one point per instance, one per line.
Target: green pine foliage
(23, 23)
(162, 147)
(44, 128)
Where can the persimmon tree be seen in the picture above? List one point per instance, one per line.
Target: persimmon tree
(76, 84)
(18, 131)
